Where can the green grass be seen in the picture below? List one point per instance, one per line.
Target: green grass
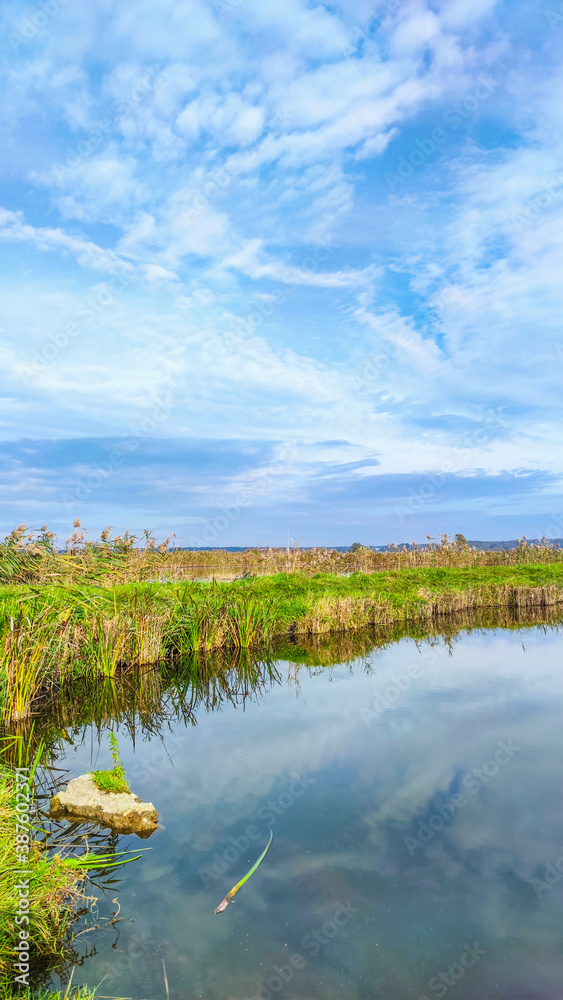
(406, 592)
(77, 993)
(49, 876)
(111, 781)
(53, 893)
(49, 634)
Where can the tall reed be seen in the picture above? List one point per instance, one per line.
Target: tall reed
(31, 557)
(22, 657)
(53, 633)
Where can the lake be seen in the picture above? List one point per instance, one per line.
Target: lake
(415, 800)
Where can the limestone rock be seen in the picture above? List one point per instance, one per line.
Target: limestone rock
(121, 811)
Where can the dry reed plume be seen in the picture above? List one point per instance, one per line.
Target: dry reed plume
(28, 556)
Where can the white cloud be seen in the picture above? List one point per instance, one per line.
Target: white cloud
(103, 189)
(250, 165)
(246, 260)
(13, 228)
(229, 119)
(377, 145)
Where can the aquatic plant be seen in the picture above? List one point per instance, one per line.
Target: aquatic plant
(54, 875)
(22, 659)
(113, 780)
(250, 619)
(102, 862)
(225, 902)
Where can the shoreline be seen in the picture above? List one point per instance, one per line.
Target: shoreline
(225, 675)
(51, 634)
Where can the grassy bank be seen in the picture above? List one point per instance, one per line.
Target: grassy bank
(44, 870)
(49, 634)
(51, 895)
(152, 698)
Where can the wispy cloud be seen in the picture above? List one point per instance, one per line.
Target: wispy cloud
(198, 201)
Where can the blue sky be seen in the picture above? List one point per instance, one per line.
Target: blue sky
(282, 267)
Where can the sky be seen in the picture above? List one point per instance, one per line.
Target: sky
(282, 270)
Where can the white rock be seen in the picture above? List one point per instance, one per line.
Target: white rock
(121, 811)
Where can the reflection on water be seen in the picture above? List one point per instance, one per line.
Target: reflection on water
(414, 794)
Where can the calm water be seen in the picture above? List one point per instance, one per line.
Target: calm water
(413, 796)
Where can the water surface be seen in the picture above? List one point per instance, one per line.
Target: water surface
(416, 804)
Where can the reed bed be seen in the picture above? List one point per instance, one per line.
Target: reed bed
(330, 615)
(324, 649)
(30, 556)
(99, 608)
(182, 564)
(49, 634)
(151, 700)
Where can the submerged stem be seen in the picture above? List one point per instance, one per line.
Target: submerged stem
(225, 902)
